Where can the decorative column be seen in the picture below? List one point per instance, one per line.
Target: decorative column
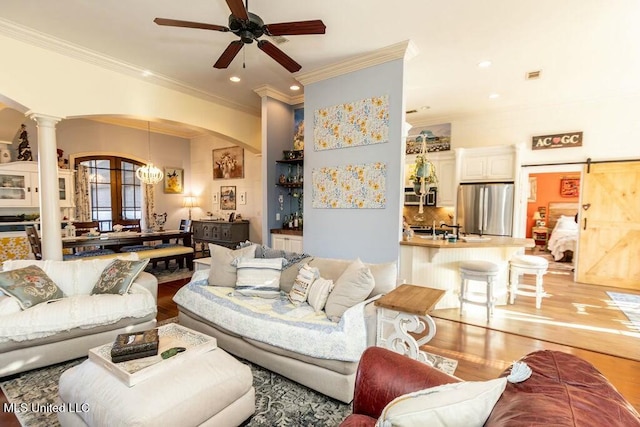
(50, 223)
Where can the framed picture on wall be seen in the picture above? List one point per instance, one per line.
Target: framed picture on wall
(228, 163)
(228, 197)
(173, 180)
(533, 189)
(569, 187)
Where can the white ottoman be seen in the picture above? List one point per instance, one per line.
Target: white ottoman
(212, 389)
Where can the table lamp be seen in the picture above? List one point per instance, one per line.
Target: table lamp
(537, 218)
(189, 202)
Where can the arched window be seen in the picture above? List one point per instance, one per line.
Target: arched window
(115, 191)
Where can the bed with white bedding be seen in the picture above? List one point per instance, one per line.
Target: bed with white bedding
(564, 237)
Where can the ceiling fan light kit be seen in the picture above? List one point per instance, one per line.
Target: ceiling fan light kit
(249, 27)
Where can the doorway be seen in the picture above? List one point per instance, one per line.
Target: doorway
(551, 200)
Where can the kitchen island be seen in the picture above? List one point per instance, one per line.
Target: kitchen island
(434, 263)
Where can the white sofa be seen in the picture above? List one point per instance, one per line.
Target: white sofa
(276, 341)
(66, 329)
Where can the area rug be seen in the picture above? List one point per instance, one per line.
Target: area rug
(630, 306)
(279, 401)
(174, 272)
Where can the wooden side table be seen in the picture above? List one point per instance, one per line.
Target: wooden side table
(406, 309)
(541, 236)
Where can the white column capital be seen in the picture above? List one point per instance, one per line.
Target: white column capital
(43, 119)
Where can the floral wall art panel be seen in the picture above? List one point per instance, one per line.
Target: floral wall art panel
(362, 122)
(350, 186)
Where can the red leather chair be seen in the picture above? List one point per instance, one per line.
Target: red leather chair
(563, 390)
(384, 375)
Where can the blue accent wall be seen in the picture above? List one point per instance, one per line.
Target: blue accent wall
(373, 235)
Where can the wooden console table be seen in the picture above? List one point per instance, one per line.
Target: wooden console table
(406, 309)
(222, 233)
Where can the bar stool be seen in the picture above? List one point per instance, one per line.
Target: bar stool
(482, 271)
(527, 264)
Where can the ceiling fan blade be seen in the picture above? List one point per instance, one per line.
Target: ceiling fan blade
(189, 24)
(296, 28)
(237, 9)
(279, 56)
(229, 53)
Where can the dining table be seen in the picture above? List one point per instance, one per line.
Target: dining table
(116, 240)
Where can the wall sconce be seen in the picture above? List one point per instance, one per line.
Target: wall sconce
(190, 202)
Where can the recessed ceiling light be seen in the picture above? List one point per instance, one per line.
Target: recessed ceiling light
(147, 73)
(234, 79)
(294, 87)
(484, 64)
(494, 96)
(425, 107)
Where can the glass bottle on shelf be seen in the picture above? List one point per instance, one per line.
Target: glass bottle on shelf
(295, 220)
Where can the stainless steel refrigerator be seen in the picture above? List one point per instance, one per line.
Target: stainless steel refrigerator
(486, 208)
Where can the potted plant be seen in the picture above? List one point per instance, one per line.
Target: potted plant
(423, 170)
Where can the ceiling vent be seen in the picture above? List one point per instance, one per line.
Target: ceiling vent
(532, 75)
(411, 111)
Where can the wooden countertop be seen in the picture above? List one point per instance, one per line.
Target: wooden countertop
(496, 241)
(289, 231)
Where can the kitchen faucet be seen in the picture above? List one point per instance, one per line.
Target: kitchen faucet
(457, 227)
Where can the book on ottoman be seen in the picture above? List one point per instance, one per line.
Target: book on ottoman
(132, 356)
(135, 345)
(131, 372)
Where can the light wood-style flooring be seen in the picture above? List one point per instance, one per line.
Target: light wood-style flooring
(575, 318)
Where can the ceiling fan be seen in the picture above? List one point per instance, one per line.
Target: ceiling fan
(250, 27)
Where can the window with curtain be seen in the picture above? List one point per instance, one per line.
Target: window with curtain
(115, 192)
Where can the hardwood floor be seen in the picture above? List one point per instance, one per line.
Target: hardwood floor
(576, 318)
(582, 323)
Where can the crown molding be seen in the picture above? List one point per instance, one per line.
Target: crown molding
(271, 92)
(48, 42)
(403, 50)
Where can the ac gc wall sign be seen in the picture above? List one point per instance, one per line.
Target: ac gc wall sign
(561, 140)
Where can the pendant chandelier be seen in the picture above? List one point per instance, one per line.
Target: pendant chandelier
(149, 174)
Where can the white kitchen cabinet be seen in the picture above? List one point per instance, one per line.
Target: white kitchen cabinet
(286, 242)
(19, 185)
(487, 165)
(446, 172)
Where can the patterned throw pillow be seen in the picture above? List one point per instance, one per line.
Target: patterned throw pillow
(259, 277)
(29, 286)
(302, 285)
(319, 292)
(118, 276)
